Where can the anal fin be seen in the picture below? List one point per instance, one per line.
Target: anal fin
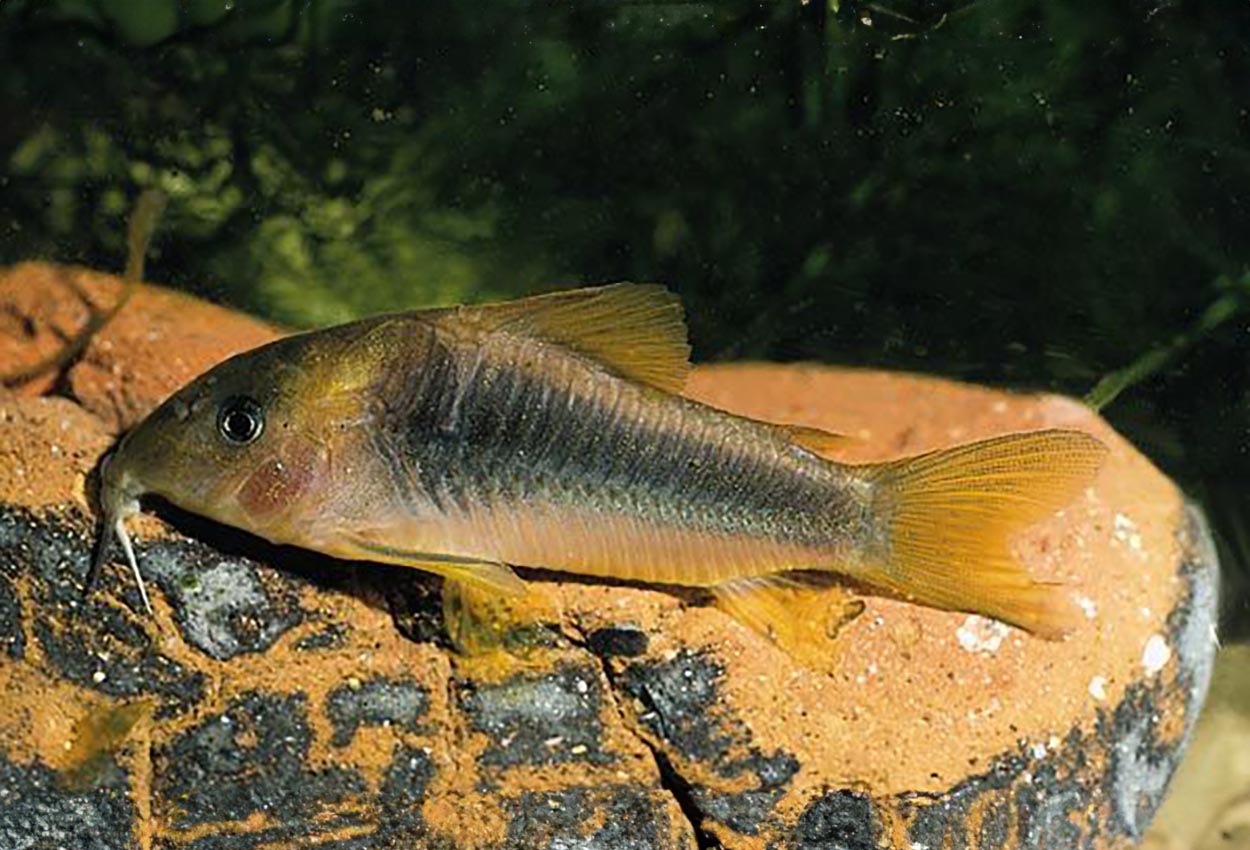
(800, 617)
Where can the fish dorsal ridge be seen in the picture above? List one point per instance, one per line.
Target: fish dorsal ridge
(638, 330)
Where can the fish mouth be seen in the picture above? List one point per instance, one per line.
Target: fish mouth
(119, 499)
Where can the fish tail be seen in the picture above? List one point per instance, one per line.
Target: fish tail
(944, 520)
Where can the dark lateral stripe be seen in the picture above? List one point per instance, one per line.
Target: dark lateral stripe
(553, 432)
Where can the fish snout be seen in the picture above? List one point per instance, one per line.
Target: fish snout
(119, 488)
(119, 494)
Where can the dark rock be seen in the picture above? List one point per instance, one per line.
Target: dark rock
(539, 720)
(682, 706)
(617, 641)
(559, 820)
(12, 638)
(250, 759)
(839, 820)
(38, 813)
(92, 642)
(746, 811)
(332, 636)
(375, 703)
(679, 699)
(222, 604)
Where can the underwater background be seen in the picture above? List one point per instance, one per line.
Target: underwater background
(1034, 194)
(1030, 194)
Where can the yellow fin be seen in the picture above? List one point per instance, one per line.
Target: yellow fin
(817, 440)
(636, 329)
(487, 575)
(801, 618)
(480, 621)
(949, 515)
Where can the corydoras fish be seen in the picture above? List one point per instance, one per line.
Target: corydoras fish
(550, 432)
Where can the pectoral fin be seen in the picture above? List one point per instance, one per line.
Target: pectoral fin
(486, 575)
(801, 618)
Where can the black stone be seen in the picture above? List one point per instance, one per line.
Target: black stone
(53, 551)
(38, 813)
(332, 636)
(250, 759)
(681, 701)
(682, 707)
(839, 820)
(1141, 761)
(995, 826)
(621, 641)
(375, 703)
(631, 819)
(941, 820)
(293, 834)
(403, 789)
(12, 638)
(224, 605)
(746, 811)
(1046, 806)
(397, 819)
(545, 720)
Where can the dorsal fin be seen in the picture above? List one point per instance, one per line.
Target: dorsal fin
(638, 330)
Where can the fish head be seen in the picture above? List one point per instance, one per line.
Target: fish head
(199, 448)
(246, 444)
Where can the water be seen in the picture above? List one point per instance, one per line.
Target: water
(1043, 195)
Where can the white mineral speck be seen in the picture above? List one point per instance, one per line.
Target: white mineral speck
(1087, 605)
(1156, 654)
(1098, 688)
(978, 634)
(1038, 751)
(1126, 532)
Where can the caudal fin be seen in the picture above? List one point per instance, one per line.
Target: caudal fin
(948, 518)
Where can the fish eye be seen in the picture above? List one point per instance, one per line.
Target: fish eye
(240, 420)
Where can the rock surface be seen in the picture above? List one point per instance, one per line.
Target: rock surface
(278, 699)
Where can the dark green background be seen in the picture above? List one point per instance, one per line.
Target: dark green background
(1026, 193)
